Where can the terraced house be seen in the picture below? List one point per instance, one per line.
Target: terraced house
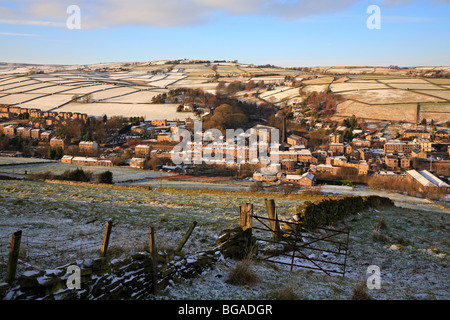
(413, 133)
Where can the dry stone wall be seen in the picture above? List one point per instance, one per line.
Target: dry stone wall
(104, 279)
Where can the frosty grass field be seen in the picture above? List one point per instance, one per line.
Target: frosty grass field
(412, 255)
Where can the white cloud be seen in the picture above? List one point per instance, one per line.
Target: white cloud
(18, 34)
(33, 22)
(172, 13)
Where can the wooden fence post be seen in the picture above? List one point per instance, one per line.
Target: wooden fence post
(186, 236)
(153, 257)
(14, 248)
(245, 216)
(105, 241)
(272, 212)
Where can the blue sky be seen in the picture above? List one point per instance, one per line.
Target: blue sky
(286, 33)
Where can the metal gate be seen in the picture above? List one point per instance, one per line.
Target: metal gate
(296, 244)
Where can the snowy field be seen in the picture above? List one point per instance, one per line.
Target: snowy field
(15, 83)
(129, 93)
(320, 80)
(148, 111)
(136, 97)
(412, 255)
(47, 102)
(12, 160)
(416, 86)
(120, 174)
(283, 95)
(315, 88)
(444, 94)
(350, 70)
(349, 86)
(27, 88)
(385, 96)
(17, 98)
(53, 89)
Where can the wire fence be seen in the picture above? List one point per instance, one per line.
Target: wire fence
(66, 245)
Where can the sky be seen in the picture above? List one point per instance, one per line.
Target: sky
(286, 33)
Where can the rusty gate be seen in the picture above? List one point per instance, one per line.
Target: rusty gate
(296, 244)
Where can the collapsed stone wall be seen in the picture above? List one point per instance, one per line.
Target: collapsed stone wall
(104, 279)
(236, 243)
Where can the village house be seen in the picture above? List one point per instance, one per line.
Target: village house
(264, 133)
(336, 138)
(391, 162)
(10, 131)
(361, 142)
(418, 153)
(353, 155)
(265, 176)
(35, 113)
(104, 163)
(88, 146)
(294, 139)
(363, 167)
(66, 159)
(417, 133)
(5, 114)
(336, 160)
(36, 134)
(328, 168)
(142, 151)
(79, 116)
(139, 163)
(365, 154)
(141, 129)
(336, 148)
(164, 137)
(399, 146)
(424, 144)
(46, 135)
(15, 110)
(84, 161)
(442, 134)
(58, 143)
(405, 163)
(305, 156)
(306, 179)
(24, 132)
(287, 164)
(159, 123)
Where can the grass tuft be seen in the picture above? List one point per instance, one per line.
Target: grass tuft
(360, 292)
(242, 274)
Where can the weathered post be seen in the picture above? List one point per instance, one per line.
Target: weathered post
(105, 241)
(14, 249)
(272, 212)
(153, 257)
(245, 216)
(186, 236)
